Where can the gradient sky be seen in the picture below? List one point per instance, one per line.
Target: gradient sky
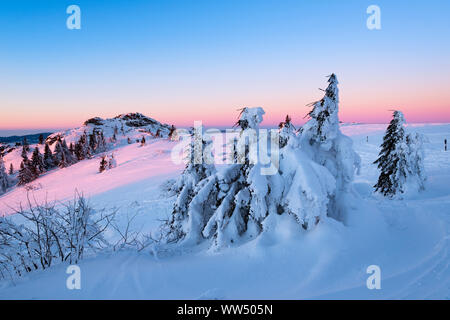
(186, 60)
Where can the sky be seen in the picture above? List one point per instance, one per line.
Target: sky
(179, 61)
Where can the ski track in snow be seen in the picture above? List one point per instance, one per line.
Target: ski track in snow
(408, 239)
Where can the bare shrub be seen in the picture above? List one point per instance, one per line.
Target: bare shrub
(50, 234)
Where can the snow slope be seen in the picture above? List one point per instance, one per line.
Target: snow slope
(408, 239)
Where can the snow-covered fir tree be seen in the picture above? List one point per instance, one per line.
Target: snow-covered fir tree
(24, 154)
(323, 141)
(37, 162)
(5, 182)
(103, 164)
(81, 149)
(400, 160)
(25, 145)
(286, 131)
(26, 173)
(72, 149)
(62, 155)
(112, 163)
(186, 186)
(97, 142)
(173, 133)
(11, 169)
(416, 157)
(49, 160)
(392, 160)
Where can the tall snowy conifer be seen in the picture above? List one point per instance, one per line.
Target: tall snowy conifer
(49, 161)
(187, 185)
(4, 179)
(416, 157)
(37, 161)
(26, 146)
(322, 139)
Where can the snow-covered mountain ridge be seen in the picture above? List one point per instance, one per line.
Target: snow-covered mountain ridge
(130, 125)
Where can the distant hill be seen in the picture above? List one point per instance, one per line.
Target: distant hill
(31, 138)
(131, 125)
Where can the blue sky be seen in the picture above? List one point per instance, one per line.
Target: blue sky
(181, 61)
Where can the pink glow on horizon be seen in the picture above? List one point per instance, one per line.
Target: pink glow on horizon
(223, 111)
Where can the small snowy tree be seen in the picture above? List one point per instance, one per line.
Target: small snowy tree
(143, 141)
(4, 179)
(11, 169)
(173, 133)
(286, 131)
(24, 154)
(26, 146)
(392, 160)
(103, 164)
(112, 163)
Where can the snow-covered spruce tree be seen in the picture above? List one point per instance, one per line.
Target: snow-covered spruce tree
(5, 183)
(400, 160)
(194, 176)
(24, 154)
(392, 160)
(49, 160)
(112, 163)
(286, 131)
(26, 173)
(173, 133)
(25, 145)
(37, 161)
(103, 164)
(11, 169)
(322, 140)
(416, 156)
(63, 157)
(97, 142)
(82, 148)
